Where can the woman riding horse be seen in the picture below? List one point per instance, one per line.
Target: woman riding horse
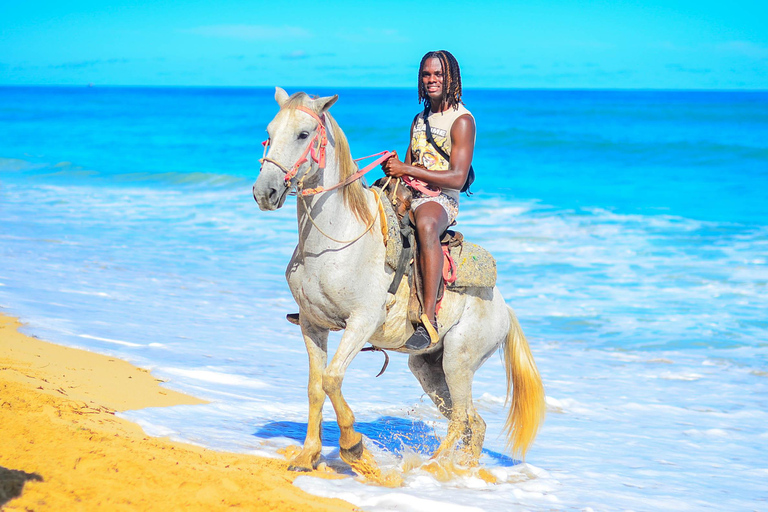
(435, 207)
(339, 278)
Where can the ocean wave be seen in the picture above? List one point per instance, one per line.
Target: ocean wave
(645, 322)
(18, 165)
(589, 147)
(69, 173)
(212, 376)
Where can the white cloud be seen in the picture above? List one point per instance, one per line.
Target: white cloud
(249, 32)
(297, 55)
(670, 46)
(373, 35)
(747, 48)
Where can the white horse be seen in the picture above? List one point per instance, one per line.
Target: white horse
(339, 280)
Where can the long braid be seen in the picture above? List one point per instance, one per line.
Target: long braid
(451, 78)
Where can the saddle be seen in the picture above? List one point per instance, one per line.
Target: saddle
(465, 265)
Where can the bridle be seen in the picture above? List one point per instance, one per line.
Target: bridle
(316, 150)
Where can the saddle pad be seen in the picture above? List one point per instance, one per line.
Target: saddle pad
(394, 242)
(476, 267)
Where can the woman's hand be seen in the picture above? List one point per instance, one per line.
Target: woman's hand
(393, 167)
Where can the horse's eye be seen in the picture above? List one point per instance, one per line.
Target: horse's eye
(303, 135)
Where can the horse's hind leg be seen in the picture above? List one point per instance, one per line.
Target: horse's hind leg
(316, 341)
(465, 427)
(464, 422)
(428, 368)
(465, 348)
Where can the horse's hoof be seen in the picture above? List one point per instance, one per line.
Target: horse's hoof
(353, 453)
(299, 469)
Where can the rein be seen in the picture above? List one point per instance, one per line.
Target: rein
(316, 151)
(359, 174)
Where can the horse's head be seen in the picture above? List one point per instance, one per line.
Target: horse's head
(295, 148)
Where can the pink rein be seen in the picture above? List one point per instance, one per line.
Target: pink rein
(318, 156)
(359, 174)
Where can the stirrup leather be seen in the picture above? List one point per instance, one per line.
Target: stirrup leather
(433, 336)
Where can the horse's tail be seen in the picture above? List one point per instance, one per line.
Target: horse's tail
(526, 412)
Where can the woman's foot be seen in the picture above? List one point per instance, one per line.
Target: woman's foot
(424, 336)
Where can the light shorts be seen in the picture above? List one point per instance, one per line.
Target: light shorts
(449, 204)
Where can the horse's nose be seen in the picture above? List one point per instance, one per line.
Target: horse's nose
(267, 197)
(274, 195)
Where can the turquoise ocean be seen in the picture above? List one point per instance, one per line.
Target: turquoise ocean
(630, 230)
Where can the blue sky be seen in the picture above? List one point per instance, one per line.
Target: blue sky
(674, 44)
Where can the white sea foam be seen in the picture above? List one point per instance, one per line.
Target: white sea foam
(712, 433)
(109, 340)
(650, 360)
(566, 405)
(153, 429)
(85, 292)
(377, 501)
(686, 376)
(487, 399)
(216, 377)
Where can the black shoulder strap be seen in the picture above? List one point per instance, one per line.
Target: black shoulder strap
(431, 139)
(413, 125)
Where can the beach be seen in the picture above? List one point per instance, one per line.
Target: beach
(630, 235)
(58, 425)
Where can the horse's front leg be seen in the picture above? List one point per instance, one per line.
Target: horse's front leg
(351, 446)
(316, 341)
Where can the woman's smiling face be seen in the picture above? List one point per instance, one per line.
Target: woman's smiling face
(432, 80)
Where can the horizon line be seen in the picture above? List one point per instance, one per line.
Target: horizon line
(301, 87)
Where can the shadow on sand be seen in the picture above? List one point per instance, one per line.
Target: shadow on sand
(12, 482)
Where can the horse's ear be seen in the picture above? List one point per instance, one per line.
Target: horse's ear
(321, 105)
(280, 96)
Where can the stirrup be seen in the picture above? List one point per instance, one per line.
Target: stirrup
(294, 319)
(425, 336)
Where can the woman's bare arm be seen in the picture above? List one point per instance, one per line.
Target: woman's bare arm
(462, 149)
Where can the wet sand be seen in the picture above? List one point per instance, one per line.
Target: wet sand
(67, 450)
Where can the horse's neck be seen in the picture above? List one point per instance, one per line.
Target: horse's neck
(330, 213)
(320, 205)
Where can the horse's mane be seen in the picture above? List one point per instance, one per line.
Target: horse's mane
(354, 193)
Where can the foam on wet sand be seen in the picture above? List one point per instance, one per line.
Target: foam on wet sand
(64, 444)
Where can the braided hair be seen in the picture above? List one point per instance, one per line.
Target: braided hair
(451, 78)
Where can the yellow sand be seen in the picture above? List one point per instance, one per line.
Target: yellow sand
(57, 420)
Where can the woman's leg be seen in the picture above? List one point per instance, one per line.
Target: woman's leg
(431, 222)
